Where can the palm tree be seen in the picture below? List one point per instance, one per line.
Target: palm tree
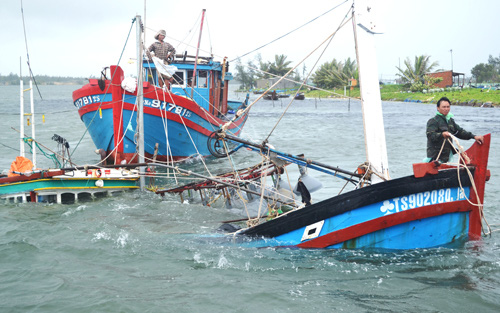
(280, 66)
(246, 75)
(414, 73)
(347, 70)
(335, 74)
(263, 72)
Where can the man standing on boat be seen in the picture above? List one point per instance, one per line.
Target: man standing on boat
(440, 128)
(162, 50)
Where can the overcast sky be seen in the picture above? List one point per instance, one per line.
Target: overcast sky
(79, 38)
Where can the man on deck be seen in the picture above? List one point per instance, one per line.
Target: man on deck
(162, 50)
(440, 128)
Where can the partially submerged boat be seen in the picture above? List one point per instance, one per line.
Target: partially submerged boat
(441, 207)
(437, 205)
(25, 182)
(67, 185)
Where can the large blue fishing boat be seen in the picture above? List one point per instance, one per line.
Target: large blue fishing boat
(176, 126)
(178, 117)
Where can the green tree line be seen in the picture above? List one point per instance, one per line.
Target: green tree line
(487, 72)
(328, 76)
(335, 74)
(13, 79)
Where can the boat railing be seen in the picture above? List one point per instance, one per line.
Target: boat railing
(181, 58)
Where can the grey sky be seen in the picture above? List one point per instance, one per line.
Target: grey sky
(79, 38)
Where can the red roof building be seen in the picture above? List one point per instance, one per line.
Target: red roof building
(450, 79)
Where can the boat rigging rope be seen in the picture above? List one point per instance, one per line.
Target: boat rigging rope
(29, 140)
(124, 129)
(289, 184)
(265, 161)
(164, 118)
(342, 24)
(237, 177)
(194, 144)
(15, 149)
(441, 150)
(304, 84)
(163, 113)
(107, 89)
(54, 155)
(165, 121)
(278, 81)
(464, 161)
(208, 31)
(282, 36)
(208, 116)
(168, 149)
(263, 166)
(27, 53)
(191, 32)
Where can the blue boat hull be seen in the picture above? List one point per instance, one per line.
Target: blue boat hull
(177, 124)
(434, 207)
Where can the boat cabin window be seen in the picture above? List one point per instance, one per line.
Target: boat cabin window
(184, 79)
(202, 79)
(179, 79)
(190, 78)
(150, 75)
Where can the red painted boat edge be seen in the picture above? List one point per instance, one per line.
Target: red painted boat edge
(384, 222)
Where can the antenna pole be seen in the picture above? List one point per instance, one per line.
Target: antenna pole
(21, 113)
(140, 101)
(193, 84)
(33, 122)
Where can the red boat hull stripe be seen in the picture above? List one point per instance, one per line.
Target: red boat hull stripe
(380, 223)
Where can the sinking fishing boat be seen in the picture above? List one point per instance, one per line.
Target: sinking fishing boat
(437, 205)
(67, 185)
(177, 120)
(25, 182)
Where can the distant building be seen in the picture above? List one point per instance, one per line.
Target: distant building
(450, 79)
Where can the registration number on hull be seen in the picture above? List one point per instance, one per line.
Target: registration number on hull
(157, 104)
(170, 107)
(422, 199)
(83, 101)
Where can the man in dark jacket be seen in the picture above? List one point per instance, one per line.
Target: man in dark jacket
(441, 127)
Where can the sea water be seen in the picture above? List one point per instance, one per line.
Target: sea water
(140, 252)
